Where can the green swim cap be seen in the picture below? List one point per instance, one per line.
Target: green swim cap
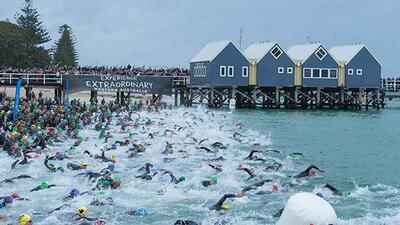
(214, 179)
(44, 185)
(347, 193)
(104, 183)
(117, 178)
(181, 178)
(60, 168)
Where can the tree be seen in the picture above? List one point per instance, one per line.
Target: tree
(35, 35)
(11, 45)
(65, 53)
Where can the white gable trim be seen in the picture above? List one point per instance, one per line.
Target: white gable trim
(373, 56)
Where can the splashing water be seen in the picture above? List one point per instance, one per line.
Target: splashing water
(167, 202)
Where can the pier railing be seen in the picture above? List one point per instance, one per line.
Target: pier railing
(390, 84)
(31, 79)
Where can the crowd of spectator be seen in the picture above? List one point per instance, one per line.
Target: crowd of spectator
(101, 70)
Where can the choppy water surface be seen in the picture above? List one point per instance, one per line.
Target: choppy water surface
(359, 151)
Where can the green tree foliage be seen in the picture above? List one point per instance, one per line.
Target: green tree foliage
(35, 35)
(65, 53)
(11, 45)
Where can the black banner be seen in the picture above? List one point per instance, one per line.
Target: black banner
(124, 83)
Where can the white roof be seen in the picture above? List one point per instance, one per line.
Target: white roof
(346, 52)
(210, 51)
(302, 52)
(258, 50)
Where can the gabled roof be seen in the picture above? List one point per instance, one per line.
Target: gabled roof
(210, 51)
(346, 53)
(302, 52)
(259, 50)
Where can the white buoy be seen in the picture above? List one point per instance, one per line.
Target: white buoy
(307, 209)
(232, 104)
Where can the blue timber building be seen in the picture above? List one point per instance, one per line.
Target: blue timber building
(306, 76)
(270, 66)
(219, 64)
(315, 67)
(359, 67)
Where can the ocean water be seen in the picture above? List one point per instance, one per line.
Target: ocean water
(357, 149)
(360, 151)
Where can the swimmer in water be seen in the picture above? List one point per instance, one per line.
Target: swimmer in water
(251, 156)
(43, 186)
(186, 222)
(220, 204)
(309, 172)
(173, 178)
(215, 167)
(296, 154)
(12, 179)
(253, 187)
(212, 181)
(250, 172)
(72, 166)
(334, 190)
(81, 214)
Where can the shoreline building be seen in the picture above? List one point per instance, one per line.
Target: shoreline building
(219, 64)
(358, 66)
(270, 66)
(315, 66)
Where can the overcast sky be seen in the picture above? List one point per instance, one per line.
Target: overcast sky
(171, 32)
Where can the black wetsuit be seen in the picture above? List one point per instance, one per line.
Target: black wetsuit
(256, 185)
(72, 166)
(206, 149)
(218, 145)
(215, 159)
(218, 205)
(173, 178)
(248, 171)
(186, 222)
(216, 167)
(38, 188)
(206, 183)
(251, 155)
(11, 180)
(306, 172)
(333, 189)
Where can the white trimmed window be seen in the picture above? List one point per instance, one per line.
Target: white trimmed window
(289, 70)
(359, 71)
(321, 53)
(222, 71)
(281, 70)
(324, 73)
(276, 51)
(320, 73)
(350, 71)
(316, 73)
(245, 71)
(231, 71)
(307, 73)
(332, 73)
